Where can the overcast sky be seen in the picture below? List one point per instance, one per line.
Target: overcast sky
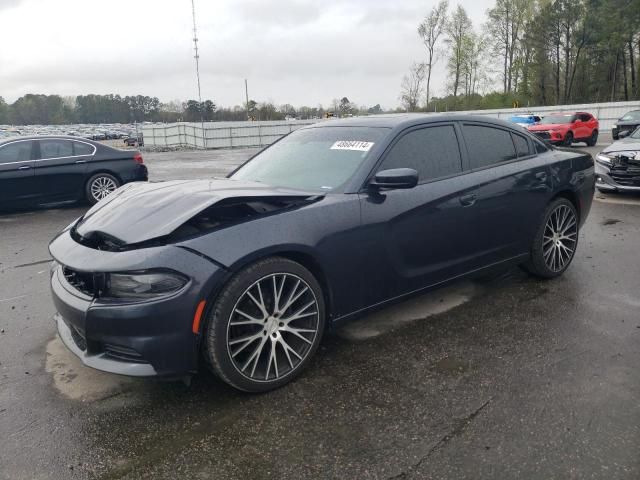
(291, 51)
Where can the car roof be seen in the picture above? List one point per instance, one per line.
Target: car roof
(45, 137)
(403, 120)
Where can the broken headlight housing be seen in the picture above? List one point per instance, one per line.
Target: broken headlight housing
(604, 159)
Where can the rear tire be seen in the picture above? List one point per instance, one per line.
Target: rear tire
(591, 142)
(556, 240)
(100, 186)
(265, 325)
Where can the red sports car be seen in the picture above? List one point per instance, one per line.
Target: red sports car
(567, 128)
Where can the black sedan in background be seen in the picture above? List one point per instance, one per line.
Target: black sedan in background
(627, 124)
(338, 218)
(50, 170)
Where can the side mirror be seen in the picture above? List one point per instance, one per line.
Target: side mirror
(395, 178)
(624, 133)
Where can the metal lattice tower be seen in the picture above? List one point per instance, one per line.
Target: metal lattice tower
(195, 48)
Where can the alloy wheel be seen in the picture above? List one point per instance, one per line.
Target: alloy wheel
(560, 238)
(272, 327)
(102, 186)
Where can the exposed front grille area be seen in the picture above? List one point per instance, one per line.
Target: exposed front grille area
(81, 281)
(626, 171)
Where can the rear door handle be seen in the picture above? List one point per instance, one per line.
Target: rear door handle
(25, 167)
(542, 176)
(468, 200)
(81, 161)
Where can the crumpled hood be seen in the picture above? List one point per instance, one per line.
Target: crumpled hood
(626, 144)
(139, 211)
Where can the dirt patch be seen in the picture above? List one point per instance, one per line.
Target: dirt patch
(76, 381)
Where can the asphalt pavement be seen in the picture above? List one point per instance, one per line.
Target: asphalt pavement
(504, 377)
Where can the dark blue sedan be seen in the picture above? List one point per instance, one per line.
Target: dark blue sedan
(244, 274)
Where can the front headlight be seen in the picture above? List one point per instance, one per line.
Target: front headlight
(143, 285)
(604, 159)
(615, 125)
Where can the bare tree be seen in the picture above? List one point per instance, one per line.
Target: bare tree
(411, 86)
(458, 29)
(430, 30)
(506, 27)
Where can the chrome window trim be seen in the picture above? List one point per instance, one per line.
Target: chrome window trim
(95, 149)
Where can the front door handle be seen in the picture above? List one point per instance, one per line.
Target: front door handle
(542, 176)
(24, 167)
(81, 161)
(468, 200)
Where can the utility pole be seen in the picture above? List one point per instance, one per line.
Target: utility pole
(197, 57)
(246, 96)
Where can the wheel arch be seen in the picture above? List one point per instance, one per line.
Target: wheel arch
(300, 254)
(90, 174)
(572, 197)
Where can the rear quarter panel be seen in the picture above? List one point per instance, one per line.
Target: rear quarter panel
(573, 171)
(118, 162)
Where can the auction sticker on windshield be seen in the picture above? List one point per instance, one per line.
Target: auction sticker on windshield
(352, 145)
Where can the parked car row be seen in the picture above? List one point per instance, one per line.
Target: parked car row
(105, 131)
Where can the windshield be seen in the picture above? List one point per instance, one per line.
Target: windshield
(559, 118)
(634, 115)
(312, 158)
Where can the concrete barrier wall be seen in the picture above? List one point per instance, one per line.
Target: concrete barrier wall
(259, 134)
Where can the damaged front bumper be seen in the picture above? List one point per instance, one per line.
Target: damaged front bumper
(139, 338)
(617, 175)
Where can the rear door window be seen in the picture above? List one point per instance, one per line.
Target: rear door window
(432, 151)
(55, 149)
(522, 145)
(80, 148)
(16, 152)
(488, 145)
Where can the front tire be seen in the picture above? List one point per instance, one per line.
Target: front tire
(100, 186)
(568, 139)
(556, 240)
(265, 325)
(593, 139)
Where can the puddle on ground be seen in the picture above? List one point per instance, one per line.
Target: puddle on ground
(76, 381)
(611, 221)
(451, 366)
(417, 308)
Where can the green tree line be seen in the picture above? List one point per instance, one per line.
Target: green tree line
(533, 52)
(56, 110)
